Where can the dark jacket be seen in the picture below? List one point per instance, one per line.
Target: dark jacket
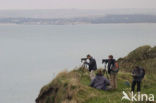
(138, 74)
(92, 64)
(111, 63)
(100, 82)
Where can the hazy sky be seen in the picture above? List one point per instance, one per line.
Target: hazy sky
(77, 4)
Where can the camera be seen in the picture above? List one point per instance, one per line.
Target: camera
(83, 59)
(104, 61)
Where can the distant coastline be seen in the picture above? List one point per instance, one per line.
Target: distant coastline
(77, 16)
(136, 18)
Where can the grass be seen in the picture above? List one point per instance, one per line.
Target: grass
(73, 87)
(144, 56)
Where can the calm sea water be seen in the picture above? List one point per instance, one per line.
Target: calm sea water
(31, 55)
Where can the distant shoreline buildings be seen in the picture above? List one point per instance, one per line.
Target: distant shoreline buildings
(136, 18)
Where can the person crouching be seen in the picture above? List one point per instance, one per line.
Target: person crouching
(100, 82)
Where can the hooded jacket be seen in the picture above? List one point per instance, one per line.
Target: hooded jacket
(100, 82)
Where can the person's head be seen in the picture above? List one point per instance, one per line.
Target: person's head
(110, 56)
(99, 72)
(137, 67)
(89, 56)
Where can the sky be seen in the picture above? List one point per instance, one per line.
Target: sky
(76, 4)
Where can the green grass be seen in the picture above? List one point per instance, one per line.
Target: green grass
(144, 56)
(73, 87)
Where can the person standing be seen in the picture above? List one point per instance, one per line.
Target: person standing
(92, 65)
(113, 74)
(138, 74)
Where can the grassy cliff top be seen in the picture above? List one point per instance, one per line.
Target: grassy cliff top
(142, 53)
(144, 56)
(73, 86)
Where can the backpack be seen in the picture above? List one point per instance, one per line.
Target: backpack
(115, 68)
(143, 73)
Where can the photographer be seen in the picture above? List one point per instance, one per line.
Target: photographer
(92, 65)
(110, 61)
(113, 75)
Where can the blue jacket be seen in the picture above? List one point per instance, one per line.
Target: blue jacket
(100, 82)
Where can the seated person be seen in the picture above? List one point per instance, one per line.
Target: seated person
(100, 82)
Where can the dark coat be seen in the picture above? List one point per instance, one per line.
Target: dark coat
(92, 64)
(100, 82)
(138, 74)
(111, 63)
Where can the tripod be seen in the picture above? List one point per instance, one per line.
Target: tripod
(84, 65)
(105, 70)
